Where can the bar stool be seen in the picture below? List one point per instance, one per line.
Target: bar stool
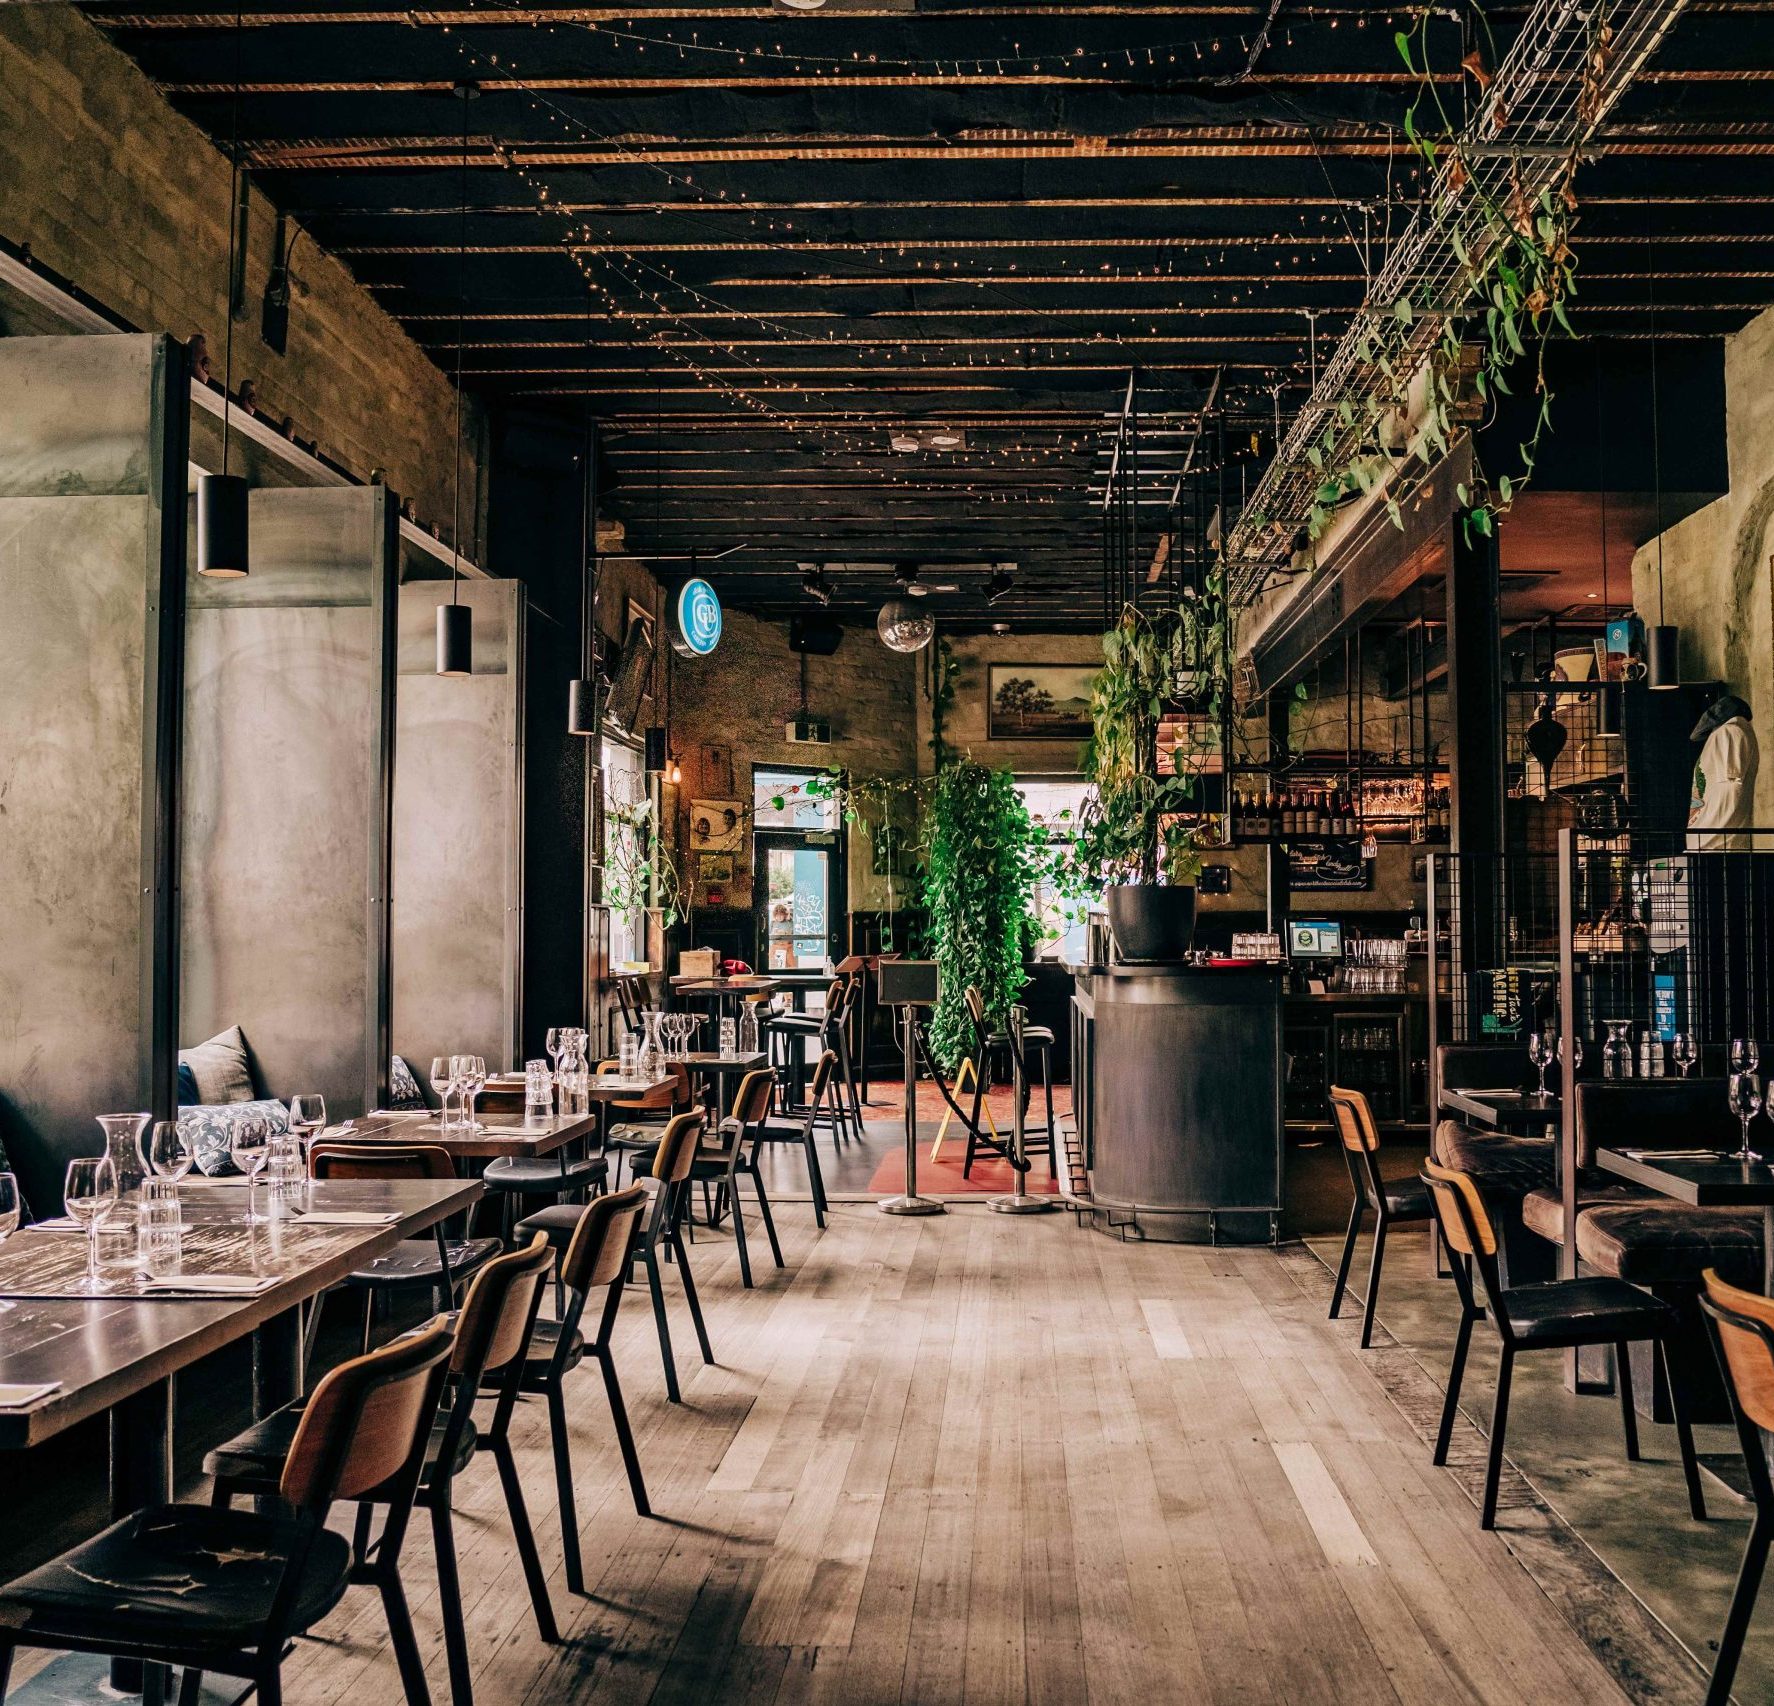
(228, 1590)
(1392, 1200)
(1742, 1325)
(1036, 1040)
(1546, 1315)
(489, 1352)
(438, 1263)
(595, 1247)
(793, 1030)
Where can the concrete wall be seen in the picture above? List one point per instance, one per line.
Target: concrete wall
(116, 191)
(1717, 565)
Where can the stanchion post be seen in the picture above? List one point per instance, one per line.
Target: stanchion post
(910, 1202)
(1019, 1201)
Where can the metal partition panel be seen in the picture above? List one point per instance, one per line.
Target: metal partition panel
(90, 571)
(288, 718)
(458, 826)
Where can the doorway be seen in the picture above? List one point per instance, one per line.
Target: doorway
(798, 872)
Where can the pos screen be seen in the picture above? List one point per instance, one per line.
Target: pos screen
(1315, 939)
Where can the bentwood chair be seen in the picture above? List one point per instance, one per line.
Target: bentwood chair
(1743, 1333)
(228, 1590)
(597, 1244)
(1547, 1315)
(437, 1263)
(1392, 1201)
(489, 1352)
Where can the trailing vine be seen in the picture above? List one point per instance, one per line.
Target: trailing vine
(943, 670)
(640, 874)
(1517, 273)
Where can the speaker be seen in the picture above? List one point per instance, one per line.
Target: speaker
(820, 635)
(908, 983)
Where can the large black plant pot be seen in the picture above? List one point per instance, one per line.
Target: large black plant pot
(1151, 923)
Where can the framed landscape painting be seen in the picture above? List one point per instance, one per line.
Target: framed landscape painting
(1039, 701)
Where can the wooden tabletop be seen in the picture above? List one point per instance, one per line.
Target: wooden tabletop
(710, 1060)
(105, 1350)
(750, 984)
(1504, 1110)
(502, 1133)
(1703, 1182)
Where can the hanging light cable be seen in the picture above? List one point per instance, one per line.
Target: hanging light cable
(1608, 709)
(222, 498)
(455, 620)
(1665, 639)
(584, 716)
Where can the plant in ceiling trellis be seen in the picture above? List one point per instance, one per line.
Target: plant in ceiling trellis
(983, 858)
(1507, 301)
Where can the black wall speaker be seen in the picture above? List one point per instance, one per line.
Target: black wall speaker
(820, 635)
(908, 983)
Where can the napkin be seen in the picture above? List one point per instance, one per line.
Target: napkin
(16, 1397)
(213, 1285)
(57, 1223)
(346, 1217)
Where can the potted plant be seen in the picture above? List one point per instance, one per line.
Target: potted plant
(1139, 840)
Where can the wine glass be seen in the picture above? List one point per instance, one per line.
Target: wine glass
(1746, 1056)
(470, 1074)
(1542, 1048)
(9, 1217)
(443, 1082)
(1576, 1054)
(88, 1194)
(1746, 1102)
(308, 1116)
(1684, 1052)
(165, 1151)
(249, 1143)
(554, 1042)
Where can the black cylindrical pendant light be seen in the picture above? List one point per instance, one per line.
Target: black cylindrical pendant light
(222, 533)
(585, 712)
(1664, 645)
(1608, 711)
(221, 524)
(455, 639)
(455, 621)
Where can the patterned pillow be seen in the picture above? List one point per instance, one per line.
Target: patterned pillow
(208, 1131)
(403, 1087)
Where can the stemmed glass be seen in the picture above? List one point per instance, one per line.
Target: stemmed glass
(1683, 1051)
(1542, 1048)
(308, 1117)
(165, 1151)
(555, 1042)
(9, 1217)
(89, 1193)
(1576, 1057)
(1745, 1055)
(443, 1082)
(250, 1143)
(470, 1074)
(1746, 1102)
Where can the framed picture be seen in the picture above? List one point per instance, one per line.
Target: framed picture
(717, 826)
(1039, 701)
(715, 867)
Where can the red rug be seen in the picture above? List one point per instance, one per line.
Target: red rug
(991, 1177)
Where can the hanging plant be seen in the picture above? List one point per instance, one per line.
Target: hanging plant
(640, 875)
(983, 860)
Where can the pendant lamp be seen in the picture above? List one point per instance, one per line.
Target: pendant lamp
(222, 533)
(455, 620)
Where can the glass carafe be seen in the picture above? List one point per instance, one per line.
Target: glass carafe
(123, 1143)
(1617, 1050)
(650, 1059)
(748, 1028)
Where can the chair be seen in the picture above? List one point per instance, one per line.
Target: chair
(228, 1590)
(1548, 1315)
(492, 1339)
(557, 1176)
(672, 1097)
(824, 1087)
(988, 1040)
(596, 1245)
(1391, 1200)
(1742, 1325)
(737, 1158)
(825, 1027)
(439, 1263)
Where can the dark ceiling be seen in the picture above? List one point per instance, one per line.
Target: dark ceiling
(755, 242)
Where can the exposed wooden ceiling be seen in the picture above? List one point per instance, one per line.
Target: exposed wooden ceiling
(756, 243)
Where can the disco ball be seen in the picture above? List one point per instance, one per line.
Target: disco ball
(905, 625)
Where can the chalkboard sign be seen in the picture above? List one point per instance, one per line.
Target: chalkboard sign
(1327, 865)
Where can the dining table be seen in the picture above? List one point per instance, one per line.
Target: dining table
(66, 1356)
(1702, 1181)
(500, 1132)
(1524, 1113)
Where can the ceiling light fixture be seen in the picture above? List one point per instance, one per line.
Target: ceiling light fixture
(904, 627)
(815, 586)
(999, 586)
(455, 620)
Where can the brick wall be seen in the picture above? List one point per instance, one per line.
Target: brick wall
(113, 189)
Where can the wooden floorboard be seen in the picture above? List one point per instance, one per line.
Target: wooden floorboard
(988, 1461)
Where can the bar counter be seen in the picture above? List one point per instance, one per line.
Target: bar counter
(1177, 1079)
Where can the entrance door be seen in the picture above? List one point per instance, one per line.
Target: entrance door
(797, 903)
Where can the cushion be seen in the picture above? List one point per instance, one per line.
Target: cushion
(1666, 1241)
(208, 1131)
(218, 1068)
(1543, 1211)
(403, 1088)
(188, 1097)
(1506, 1167)
(1603, 1309)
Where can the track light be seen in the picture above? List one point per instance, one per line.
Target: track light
(999, 586)
(815, 586)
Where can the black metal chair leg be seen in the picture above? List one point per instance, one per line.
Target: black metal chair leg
(1373, 1281)
(739, 1243)
(1493, 1473)
(1684, 1434)
(690, 1297)
(816, 1180)
(656, 1287)
(563, 1487)
(1743, 1603)
(757, 1180)
(1052, 1129)
(449, 1601)
(1628, 1411)
(525, 1538)
(1348, 1256)
(269, 1686)
(631, 1460)
(190, 1686)
(1456, 1374)
(406, 1645)
(360, 1536)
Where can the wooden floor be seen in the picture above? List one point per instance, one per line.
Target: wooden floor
(983, 1459)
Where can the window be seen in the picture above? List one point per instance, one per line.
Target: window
(1055, 805)
(781, 800)
(625, 786)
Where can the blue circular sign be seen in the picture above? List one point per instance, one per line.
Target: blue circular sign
(698, 625)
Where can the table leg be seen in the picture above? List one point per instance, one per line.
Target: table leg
(1768, 1249)
(141, 1475)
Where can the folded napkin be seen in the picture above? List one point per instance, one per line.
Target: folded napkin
(16, 1397)
(57, 1223)
(1673, 1154)
(213, 1285)
(347, 1217)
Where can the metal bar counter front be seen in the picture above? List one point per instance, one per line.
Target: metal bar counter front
(1177, 1080)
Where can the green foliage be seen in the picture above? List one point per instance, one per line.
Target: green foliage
(982, 861)
(640, 874)
(943, 670)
